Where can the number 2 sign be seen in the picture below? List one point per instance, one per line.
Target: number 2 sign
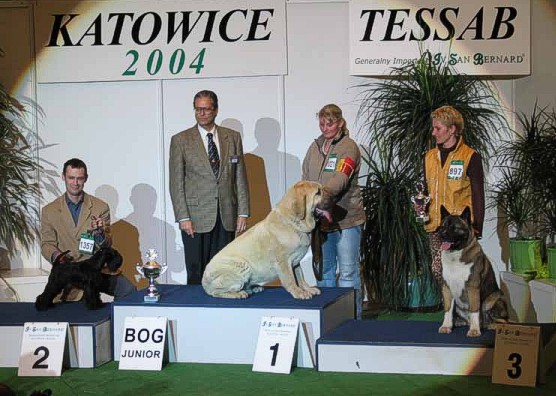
(276, 344)
(42, 349)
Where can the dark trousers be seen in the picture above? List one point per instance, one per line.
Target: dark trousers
(201, 248)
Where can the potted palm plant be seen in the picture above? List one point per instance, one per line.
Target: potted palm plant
(524, 188)
(548, 191)
(19, 169)
(395, 119)
(394, 273)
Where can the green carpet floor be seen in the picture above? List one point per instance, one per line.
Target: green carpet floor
(221, 379)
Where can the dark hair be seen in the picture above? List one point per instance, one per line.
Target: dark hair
(74, 163)
(207, 94)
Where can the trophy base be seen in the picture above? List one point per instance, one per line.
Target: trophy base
(422, 220)
(151, 299)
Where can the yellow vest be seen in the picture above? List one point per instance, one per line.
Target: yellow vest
(449, 185)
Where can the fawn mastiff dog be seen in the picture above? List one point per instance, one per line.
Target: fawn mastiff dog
(270, 249)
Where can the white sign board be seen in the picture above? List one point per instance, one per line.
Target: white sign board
(474, 36)
(143, 343)
(276, 344)
(42, 349)
(516, 352)
(164, 39)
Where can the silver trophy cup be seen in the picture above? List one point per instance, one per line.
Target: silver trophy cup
(151, 270)
(421, 202)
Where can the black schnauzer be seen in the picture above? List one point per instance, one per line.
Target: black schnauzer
(85, 274)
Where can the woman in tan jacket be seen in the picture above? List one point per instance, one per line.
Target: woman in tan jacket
(333, 160)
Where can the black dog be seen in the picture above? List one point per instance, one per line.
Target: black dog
(85, 275)
(470, 293)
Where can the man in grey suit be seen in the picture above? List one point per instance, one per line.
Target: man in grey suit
(208, 186)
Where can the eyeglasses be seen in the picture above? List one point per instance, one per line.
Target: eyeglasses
(205, 110)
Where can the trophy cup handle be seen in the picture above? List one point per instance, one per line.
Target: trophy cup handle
(163, 268)
(139, 269)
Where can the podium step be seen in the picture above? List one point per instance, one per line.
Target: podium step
(90, 331)
(205, 329)
(409, 347)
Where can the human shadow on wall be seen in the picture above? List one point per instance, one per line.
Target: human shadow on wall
(155, 233)
(259, 198)
(503, 237)
(125, 236)
(282, 169)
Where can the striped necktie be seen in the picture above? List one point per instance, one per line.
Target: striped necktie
(213, 155)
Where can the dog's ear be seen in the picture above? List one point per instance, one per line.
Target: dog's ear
(298, 200)
(63, 257)
(443, 212)
(466, 215)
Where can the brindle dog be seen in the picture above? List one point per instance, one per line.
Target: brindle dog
(470, 293)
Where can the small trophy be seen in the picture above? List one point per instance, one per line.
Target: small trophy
(421, 202)
(151, 270)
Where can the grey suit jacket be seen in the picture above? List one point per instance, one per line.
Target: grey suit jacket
(58, 231)
(196, 193)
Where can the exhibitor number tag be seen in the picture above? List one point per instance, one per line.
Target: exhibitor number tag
(86, 243)
(456, 170)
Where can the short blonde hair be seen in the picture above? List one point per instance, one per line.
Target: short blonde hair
(449, 116)
(333, 113)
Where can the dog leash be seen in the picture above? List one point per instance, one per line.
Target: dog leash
(316, 249)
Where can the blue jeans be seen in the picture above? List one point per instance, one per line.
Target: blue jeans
(340, 253)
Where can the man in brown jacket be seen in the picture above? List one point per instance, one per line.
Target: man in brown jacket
(79, 222)
(208, 186)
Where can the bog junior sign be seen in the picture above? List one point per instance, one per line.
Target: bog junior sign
(143, 343)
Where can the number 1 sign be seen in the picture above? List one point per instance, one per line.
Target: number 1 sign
(276, 344)
(42, 349)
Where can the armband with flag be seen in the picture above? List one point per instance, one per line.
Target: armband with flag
(346, 166)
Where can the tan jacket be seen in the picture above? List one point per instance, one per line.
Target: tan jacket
(196, 192)
(340, 183)
(58, 231)
(448, 186)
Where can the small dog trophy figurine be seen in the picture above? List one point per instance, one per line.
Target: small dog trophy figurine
(151, 270)
(420, 202)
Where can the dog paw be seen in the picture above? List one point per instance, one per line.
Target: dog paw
(313, 291)
(445, 330)
(301, 294)
(474, 333)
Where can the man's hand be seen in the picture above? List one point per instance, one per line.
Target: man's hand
(97, 224)
(187, 227)
(241, 224)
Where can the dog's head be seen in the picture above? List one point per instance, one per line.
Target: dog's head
(109, 258)
(455, 231)
(304, 203)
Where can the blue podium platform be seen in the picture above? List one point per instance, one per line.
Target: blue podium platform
(205, 329)
(413, 347)
(416, 347)
(90, 331)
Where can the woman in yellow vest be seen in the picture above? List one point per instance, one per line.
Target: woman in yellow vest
(454, 179)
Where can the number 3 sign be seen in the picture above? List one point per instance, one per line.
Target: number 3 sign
(42, 349)
(276, 343)
(516, 352)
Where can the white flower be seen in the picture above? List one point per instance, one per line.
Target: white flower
(151, 254)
